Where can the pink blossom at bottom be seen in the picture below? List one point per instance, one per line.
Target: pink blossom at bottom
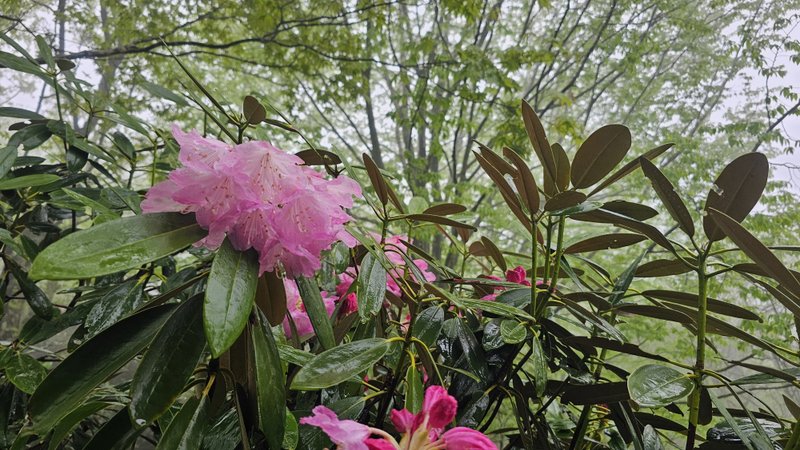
(346, 434)
(462, 438)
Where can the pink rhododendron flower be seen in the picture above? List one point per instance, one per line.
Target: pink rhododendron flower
(259, 197)
(515, 275)
(421, 431)
(392, 248)
(297, 310)
(346, 434)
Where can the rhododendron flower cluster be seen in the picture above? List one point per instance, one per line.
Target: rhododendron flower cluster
(515, 275)
(259, 197)
(394, 248)
(421, 431)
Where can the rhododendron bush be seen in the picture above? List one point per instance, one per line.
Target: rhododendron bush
(247, 289)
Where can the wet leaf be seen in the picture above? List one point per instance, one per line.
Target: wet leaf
(539, 141)
(526, 185)
(631, 166)
(662, 268)
(653, 385)
(371, 287)
(375, 177)
(168, 363)
(229, 298)
(116, 246)
(254, 111)
(340, 364)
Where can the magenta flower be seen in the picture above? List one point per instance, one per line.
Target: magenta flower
(421, 431)
(516, 275)
(392, 248)
(297, 311)
(259, 197)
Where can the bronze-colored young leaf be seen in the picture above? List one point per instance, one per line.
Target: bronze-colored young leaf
(736, 191)
(395, 199)
(445, 209)
(478, 249)
(657, 312)
(497, 161)
(581, 342)
(691, 300)
(318, 157)
(562, 167)
(564, 200)
(505, 190)
(604, 242)
(438, 219)
(628, 168)
(375, 177)
(756, 269)
(599, 154)
(604, 216)
(662, 268)
(539, 140)
(527, 185)
(633, 210)
(666, 192)
(494, 253)
(254, 111)
(755, 250)
(788, 300)
(271, 297)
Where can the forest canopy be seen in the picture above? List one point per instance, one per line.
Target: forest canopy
(437, 224)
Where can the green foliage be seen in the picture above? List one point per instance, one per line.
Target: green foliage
(185, 348)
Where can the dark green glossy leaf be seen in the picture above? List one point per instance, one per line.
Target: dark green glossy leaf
(270, 384)
(117, 303)
(168, 363)
(653, 385)
(66, 426)
(116, 434)
(94, 362)
(19, 113)
(340, 364)
(736, 191)
(428, 325)
(513, 332)
(8, 156)
(25, 372)
(116, 246)
(317, 314)
(186, 430)
(414, 390)
(650, 439)
(538, 366)
(599, 154)
(35, 297)
(371, 287)
(498, 308)
(26, 181)
(230, 294)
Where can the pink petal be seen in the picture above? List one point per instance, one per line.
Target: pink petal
(346, 434)
(461, 438)
(439, 406)
(403, 420)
